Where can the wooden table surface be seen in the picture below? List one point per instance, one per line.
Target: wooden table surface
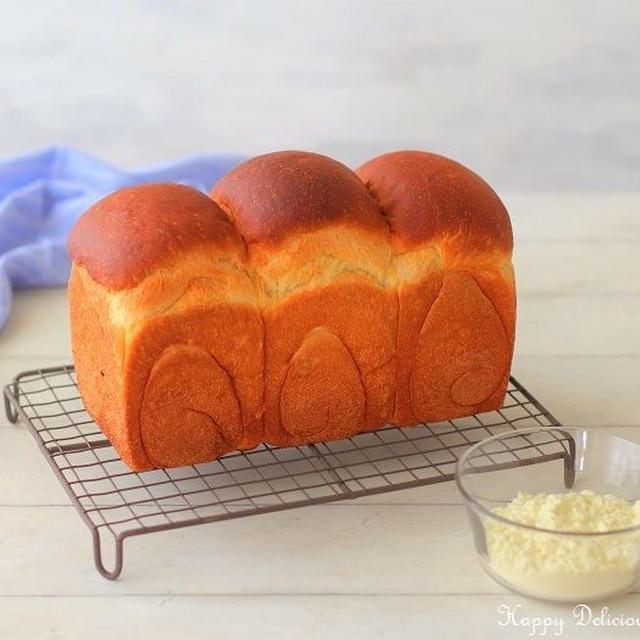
(399, 565)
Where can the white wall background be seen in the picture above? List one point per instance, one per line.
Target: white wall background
(532, 95)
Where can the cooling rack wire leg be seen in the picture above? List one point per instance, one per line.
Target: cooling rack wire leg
(12, 414)
(570, 464)
(98, 560)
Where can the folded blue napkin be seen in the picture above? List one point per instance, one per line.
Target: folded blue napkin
(42, 194)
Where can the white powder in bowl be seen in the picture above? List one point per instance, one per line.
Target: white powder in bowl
(565, 567)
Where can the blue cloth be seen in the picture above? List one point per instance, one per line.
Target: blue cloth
(42, 194)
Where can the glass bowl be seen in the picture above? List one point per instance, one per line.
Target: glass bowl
(541, 556)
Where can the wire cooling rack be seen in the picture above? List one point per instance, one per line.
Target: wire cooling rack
(116, 503)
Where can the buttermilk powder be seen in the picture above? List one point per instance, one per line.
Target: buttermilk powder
(565, 567)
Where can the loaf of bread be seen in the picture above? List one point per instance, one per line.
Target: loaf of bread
(299, 302)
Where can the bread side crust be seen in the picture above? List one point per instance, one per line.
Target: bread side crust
(334, 324)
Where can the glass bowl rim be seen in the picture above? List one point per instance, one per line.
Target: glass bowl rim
(473, 503)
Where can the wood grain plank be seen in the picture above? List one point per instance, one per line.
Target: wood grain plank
(38, 325)
(545, 218)
(419, 616)
(584, 390)
(605, 269)
(578, 326)
(318, 550)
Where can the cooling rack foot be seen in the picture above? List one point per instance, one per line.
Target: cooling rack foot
(12, 414)
(570, 464)
(99, 560)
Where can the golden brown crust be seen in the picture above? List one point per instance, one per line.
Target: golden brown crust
(190, 412)
(129, 233)
(463, 352)
(98, 355)
(278, 195)
(414, 302)
(334, 348)
(456, 300)
(427, 197)
(196, 374)
(340, 307)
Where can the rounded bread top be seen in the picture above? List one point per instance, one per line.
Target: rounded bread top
(425, 197)
(124, 236)
(421, 198)
(276, 195)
